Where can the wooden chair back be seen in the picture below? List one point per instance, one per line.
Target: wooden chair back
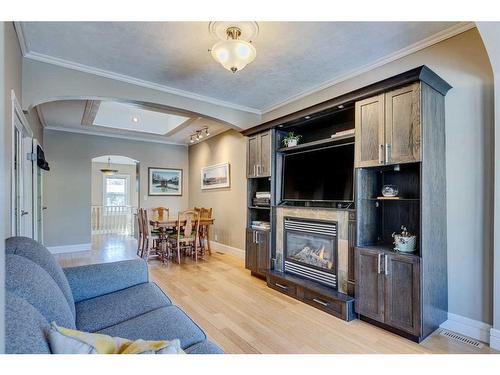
(192, 225)
(160, 213)
(205, 213)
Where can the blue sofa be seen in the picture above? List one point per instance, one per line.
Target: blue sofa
(115, 299)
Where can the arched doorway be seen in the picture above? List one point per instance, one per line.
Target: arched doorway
(114, 195)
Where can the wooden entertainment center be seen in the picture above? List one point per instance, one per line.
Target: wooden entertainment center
(399, 139)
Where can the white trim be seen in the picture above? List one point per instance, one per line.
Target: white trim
(469, 327)
(495, 339)
(120, 136)
(427, 42)
(121, 77)
(69, 248)
(239, 253)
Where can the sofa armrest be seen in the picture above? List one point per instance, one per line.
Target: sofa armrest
(98, 279)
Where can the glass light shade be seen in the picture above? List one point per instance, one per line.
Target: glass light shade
(233, 54)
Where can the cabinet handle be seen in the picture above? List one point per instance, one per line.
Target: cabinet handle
(381, 154)
(386, 269)
(379, 258)
(322, 303)
(284, 287)
(387, 152)
(257, 238)
(254, 173)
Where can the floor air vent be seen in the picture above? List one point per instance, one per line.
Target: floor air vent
(218, 252)
(462, 339)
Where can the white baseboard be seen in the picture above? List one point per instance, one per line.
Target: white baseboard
(469, 327)
(495, 339)
(227, 249)
(69, 248)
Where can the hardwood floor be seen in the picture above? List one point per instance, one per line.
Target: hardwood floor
(243, 315)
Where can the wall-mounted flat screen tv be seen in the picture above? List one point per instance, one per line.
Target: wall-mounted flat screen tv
(319, 175)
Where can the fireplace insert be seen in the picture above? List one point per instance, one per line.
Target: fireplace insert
(310, 248)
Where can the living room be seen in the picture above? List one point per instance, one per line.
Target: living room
(246, 188)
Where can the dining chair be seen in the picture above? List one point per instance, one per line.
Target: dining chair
(161, 213)
(154, 244)
(186, 237)
(205, 213)
(140, 235)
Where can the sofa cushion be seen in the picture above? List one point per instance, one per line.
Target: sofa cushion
(39, 254)
(28, 280)
(165, 323)
(204, 347)
(110, 309)
(25, 327)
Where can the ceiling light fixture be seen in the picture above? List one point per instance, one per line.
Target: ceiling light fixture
(135, 119)
(108, 171)
(199, 134)
(233, 51)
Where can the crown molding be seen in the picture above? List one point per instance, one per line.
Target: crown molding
(119, 136)
(424, 43)
(120, 77)
(427, 42)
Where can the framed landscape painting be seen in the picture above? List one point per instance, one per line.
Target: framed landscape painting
(164, 181)
(215, 176)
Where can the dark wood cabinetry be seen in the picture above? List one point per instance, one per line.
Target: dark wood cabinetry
(257, 256)
(259, 155)
(388, 128)
(369, 284)
(402, 292)
(388, 289)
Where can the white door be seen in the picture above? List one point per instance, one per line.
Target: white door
(22, 174)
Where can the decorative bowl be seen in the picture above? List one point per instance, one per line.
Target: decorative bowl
(390, 191)
(405, 244)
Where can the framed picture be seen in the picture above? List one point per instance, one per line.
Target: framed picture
(163, 181)
(215, 176)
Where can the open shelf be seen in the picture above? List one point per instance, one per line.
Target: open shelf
(259, 208)
(395, 199)
(315, 144)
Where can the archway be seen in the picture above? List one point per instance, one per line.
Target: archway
(115, 192)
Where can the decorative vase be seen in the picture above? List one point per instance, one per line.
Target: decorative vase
(405, 244)
(292, 142)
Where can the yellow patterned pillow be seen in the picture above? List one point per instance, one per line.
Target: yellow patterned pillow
(70, 341)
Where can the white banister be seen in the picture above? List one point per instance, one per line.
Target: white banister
(113, 220)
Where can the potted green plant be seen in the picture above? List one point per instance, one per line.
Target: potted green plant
(291, 139)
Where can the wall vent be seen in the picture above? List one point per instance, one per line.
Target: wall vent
(463, 339)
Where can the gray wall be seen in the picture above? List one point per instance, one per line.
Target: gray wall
(67, 187)
(463, 62)
(229, 205)
(490, 32)
(10, 70)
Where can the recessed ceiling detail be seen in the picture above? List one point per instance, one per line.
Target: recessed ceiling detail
(143, 122)
(128, 117)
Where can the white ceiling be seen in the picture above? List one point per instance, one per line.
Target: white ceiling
(292, 57)
(122, 115)
(66, 115)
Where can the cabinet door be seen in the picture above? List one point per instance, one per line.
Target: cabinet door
(402, 293)
(253, 155)
(369, 120)
(263, 258)
(264, 169)
(402, 125)
(250, 251)
(369, 288)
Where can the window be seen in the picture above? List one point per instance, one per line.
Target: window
(116, 190)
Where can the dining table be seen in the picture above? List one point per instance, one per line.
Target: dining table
(164, 224)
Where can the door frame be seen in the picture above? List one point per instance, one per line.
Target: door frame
(25, 130)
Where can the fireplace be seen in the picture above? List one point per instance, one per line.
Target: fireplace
(310, 249)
